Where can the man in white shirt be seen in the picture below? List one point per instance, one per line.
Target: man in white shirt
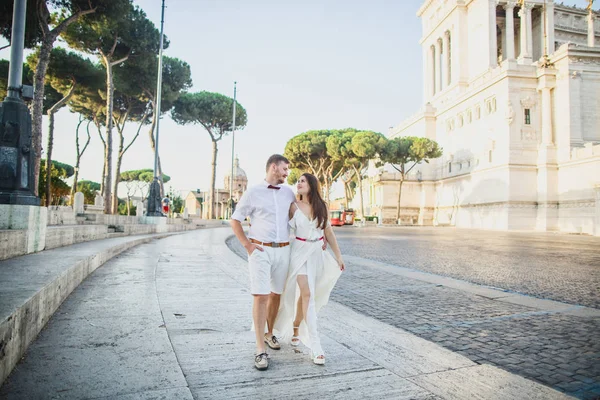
(267, 204)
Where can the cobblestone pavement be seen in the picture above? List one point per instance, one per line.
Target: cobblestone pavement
(555, 349)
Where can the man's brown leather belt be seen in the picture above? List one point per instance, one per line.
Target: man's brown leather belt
(272, 244)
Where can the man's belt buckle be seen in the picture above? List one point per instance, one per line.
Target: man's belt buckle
(274, 244)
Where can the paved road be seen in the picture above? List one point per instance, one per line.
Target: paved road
(170, 320)
(556, 349)
(549, 266)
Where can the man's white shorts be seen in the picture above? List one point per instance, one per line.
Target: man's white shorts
(268, 269)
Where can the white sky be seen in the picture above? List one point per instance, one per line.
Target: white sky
(300, 65)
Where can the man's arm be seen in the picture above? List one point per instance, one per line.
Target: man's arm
(238, 230)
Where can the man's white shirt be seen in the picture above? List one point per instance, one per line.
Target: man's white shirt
(268, 210)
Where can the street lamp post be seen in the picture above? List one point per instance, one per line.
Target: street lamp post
(154, 197)
(232, 152)
(17, 158)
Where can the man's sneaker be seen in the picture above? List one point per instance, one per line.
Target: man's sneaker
(272, 342)
(261, 361)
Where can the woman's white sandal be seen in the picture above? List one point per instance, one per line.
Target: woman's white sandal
(319, 360)
(295, 339)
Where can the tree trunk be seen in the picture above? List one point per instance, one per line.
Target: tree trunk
(399, 197)
(360, 189)
(211, 205)
(49, 157)
(102, 183)
(37, 109)
(115, 198)
(51, 113)
(77, 161)
(109, 126)
(346, 198)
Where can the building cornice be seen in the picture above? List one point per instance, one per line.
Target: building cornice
(424, 7)
(576, 53)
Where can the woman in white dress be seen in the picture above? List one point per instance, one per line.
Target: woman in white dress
(313, 271)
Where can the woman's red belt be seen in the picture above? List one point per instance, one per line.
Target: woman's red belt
(310, 240)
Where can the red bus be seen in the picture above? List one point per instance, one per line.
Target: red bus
(341, 217)
(336, 218)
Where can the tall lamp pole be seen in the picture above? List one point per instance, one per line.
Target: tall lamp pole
(154, 198)
(17, 158)
(232, 152)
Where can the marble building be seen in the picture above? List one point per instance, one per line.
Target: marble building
(512, 93)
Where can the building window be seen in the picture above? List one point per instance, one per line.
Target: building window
(460, 121)
(490, 105)
(449, 58)
(527, 116)
(469, 117)
(477, 112)
(433, 71)
(449, 167)
(490, 156)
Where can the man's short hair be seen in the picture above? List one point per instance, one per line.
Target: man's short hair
(276, 159)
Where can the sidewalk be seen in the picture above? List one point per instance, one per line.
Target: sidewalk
(170, 320)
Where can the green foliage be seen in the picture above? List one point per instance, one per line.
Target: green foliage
(89, 189)
(404, 153)
(294, 175)
(58, 186)
(66, 70)
(176, 78)
(122, 208)
(141, 175)
(126, 28)
(317, 152)
(27, 77)
(177, 204)
(211, 110)
(37, 14)
(90, 184)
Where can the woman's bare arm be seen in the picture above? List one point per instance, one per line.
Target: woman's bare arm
(332, 241)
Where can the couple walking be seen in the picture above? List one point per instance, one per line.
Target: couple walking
(289, 283)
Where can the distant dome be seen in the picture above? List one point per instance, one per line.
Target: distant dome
(238, 173)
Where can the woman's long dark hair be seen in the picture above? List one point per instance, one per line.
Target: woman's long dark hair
(319, 208)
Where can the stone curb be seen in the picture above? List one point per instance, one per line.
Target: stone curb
(20, 328)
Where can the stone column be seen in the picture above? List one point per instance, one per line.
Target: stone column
(543, 51)
(431, 76)
(438, 69)
(591, 35)
(139, 209)
(510, 30)
(78, 203)
(425, 67)
(525, 14)
(528, 8)
(502, 46)
(597, 219)
(550, 26)
(446, 69)
(427, 74)
(492, 34)
(547, 139)
(576, 108)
